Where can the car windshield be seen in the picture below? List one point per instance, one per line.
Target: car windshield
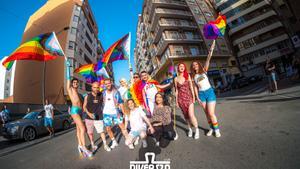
(31, 115)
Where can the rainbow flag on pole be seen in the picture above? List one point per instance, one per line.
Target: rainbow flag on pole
(87, 71)
(40, 48)
(120, 50)
(216, 28)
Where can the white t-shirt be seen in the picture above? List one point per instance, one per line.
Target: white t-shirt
(124, 92)
(109, 106)
(48, 110)
(150, 90)
(202, 81)
(135, 118)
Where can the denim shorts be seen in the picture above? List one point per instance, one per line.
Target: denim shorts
(48, 122)
(111, 119)
(207, 95)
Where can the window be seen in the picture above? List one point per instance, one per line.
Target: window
(72, 45)
(73, 30)
(88, 37)
(77, 8)
(178, 50)
(80, 52)
(75, 18)
(189, 35)
(87, 47)
(194, 50)
(196, 10)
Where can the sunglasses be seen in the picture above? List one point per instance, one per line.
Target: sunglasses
(135, 77)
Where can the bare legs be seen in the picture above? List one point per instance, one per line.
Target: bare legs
(80, 129)
(209, 109)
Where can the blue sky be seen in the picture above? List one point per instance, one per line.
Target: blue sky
(114, 19)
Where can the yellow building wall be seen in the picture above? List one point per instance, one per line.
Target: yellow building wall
(53, 16)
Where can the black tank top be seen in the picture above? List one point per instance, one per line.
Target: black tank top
(95, 105)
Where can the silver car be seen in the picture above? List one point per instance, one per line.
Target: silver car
(32, 125)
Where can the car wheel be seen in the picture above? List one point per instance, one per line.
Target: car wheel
(29, 134)
(66, 125)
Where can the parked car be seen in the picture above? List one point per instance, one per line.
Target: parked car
(32, 125)
(239, 82)
(255, 78)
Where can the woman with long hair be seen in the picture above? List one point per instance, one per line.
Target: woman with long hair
(206, 95)
(162, 120)
(185, 98)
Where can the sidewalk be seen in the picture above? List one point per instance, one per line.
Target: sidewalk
(259, 88)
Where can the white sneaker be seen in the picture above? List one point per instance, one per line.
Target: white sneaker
(94, 148)
(217, 133)
(157, 143)
(114, 144)
(176, 136)
(197, 136)
(210, 132)
(130, 146)
(190, 133)
(145, 145)
(136, 142)
(106, 148)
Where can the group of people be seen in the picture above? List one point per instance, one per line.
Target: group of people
(140, 116)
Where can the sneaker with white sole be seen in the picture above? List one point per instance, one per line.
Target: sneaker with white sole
(157, 143)
(210, 132)
(94, 148)
(190, 133)
(114, 144)
(176, 136)
(217, 133)
(106, 148)
(131, 147)
(197, 135)
(136, 142)
(144, 142)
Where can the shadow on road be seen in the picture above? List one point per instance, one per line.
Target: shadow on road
(17, 145)
(151, 148)
(271, 100)
(178, 118)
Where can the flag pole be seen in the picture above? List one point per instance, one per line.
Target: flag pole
(44, 65)
(174, 102)
(129, 62)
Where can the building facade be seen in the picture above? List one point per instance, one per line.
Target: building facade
(170, 31)
(80, 44)
(257, 32)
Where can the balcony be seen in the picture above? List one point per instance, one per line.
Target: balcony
(258, 32)
(246, 11)
(169, 24)
(273, 55)
(166, 4)
(263, 45)
(251, 22)
(175, 39)
(168, 13)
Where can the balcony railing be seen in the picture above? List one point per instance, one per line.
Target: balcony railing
(172, 11)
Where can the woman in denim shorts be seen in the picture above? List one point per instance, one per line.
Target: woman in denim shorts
(206, 95)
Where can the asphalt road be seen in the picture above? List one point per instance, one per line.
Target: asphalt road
(258, 131)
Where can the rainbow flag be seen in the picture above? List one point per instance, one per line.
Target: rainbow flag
(216, 28)
(34, 49)
(120, 50)
(87, 71)
(8, 65)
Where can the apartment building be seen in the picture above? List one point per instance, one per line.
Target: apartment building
(171, 31)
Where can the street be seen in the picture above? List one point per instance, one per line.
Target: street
(258, 131)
